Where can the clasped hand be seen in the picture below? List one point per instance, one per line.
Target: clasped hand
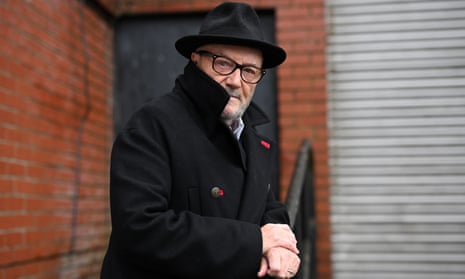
(280, 254)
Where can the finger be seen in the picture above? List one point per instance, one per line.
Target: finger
(293, 263)
(263, 268)
(274, 262)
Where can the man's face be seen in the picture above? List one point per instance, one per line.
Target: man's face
(240, 92)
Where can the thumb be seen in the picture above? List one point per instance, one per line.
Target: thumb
(263, 268)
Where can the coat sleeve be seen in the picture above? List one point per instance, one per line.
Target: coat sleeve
(275, 211)
(152, 236)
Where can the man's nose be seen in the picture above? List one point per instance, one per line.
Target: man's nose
(234, 79)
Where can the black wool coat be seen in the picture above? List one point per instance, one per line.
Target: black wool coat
(187, 199)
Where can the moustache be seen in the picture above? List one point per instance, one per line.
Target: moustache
(233, 94)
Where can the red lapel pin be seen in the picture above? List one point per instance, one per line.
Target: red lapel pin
(265, 144)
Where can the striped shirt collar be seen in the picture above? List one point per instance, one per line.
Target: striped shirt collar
(237, 127)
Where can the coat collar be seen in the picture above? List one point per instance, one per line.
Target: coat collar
(210, 98)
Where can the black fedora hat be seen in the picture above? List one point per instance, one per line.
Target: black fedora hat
(232, 24)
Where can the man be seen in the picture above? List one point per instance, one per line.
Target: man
(191, 179)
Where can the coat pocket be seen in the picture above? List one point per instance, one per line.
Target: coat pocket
(194, 200)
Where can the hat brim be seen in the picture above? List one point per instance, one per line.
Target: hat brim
(272, 54)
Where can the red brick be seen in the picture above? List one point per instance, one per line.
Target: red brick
(47, 204)
(47, 219)
(37, 156)
(35, 187)
(7, 82)
(289, 12)
(93, 217)
(9, 239)
(13, 169)
(50, 173)
(6, 185)
(11, 203)
(45, 235)
(17, 221)
(7, 150)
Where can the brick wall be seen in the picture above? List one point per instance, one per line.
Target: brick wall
(302, 95)
(55, 135)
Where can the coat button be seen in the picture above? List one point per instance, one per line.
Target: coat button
(217, 192)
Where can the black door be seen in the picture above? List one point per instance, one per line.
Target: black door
(147, 63)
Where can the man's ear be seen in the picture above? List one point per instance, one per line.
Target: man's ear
(194, 57)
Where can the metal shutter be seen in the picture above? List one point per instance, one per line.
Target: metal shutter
(396, 85)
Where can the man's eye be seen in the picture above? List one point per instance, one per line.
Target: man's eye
(250, 71)
(223, 63)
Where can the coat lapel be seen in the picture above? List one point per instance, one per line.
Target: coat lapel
(258, 178)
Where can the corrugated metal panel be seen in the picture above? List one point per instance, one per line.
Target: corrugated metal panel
(397, 138)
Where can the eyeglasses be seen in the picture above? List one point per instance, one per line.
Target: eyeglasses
(225, 66)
